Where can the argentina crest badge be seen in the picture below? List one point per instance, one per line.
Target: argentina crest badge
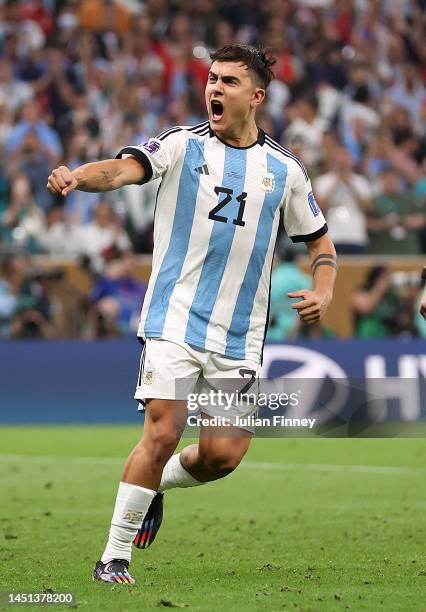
(267, 182)
(148, 375)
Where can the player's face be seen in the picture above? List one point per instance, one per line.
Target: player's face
(232, 95)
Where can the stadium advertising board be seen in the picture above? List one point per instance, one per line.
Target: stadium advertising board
(77, 382)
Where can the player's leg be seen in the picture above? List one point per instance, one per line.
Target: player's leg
(163, 363)
(172, 370)
(220, 449)
(164, 423)
(174, 475)
(218, 453)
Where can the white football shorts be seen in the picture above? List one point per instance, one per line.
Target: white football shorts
(210, 383)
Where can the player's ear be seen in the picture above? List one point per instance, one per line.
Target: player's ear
(258, 96)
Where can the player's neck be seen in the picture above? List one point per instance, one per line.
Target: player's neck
(241, 136)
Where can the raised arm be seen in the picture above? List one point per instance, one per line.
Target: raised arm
(323, 266)
(97, 176)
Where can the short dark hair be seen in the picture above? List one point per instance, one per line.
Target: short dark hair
(256, 59)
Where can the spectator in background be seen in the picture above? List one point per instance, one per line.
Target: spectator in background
(358, 116)
(22, 223)
(306, 126)
(359, 95)
(409, 92)
(88, 77)
(25, 310)
(330, 145)
(286, 277)
(403, 155)
(58, 86)
(276, 36)
(31, 120)
(79, 207)
(345, 198)
(6, 120)
(324, 64)
(420, 184)
(105, 17)
(33, 159)
(396, 148)
(117, 297)
(15, 23)
(4, 192)
(377, 155)
(419, 189)
(13, 92)
(37, 11)
(378, 309)
(103, 233)
(396, 218)
(60, 236)
(138, 204)
(13, 272)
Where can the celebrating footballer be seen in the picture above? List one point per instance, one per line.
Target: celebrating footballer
(225, 187)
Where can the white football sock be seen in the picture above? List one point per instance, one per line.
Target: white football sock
(131, 505)
(175, 475)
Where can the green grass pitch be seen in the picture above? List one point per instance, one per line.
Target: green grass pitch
(304, 524)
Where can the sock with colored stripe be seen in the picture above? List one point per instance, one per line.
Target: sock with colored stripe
(131, 505)
(174, 475)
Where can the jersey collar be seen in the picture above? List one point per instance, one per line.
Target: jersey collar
(260, 139)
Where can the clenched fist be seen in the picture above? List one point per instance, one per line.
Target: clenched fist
(61, 181)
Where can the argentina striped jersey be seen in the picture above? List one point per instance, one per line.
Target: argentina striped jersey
(216, 222)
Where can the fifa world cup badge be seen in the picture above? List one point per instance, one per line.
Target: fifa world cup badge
(148, 376)
(268, 182)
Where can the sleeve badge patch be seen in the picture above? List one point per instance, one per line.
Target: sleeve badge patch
(152, 146)
(313, 204)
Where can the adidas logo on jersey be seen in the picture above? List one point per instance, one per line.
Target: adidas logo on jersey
(202, 169)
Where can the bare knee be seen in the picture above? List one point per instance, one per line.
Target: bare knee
(162, 431)
(220, 462)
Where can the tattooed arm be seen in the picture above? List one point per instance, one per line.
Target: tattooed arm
(97, 176)
(323, 266)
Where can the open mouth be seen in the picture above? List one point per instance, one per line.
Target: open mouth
(217, 110)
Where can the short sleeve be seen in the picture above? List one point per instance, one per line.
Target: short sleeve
(157, 155)
(303, 219)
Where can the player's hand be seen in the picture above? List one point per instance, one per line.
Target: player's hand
(61, 181)
(312, 307)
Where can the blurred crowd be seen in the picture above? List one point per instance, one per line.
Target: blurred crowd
(79, 79)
